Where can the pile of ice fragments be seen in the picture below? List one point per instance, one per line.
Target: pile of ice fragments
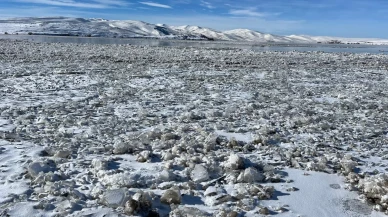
(153, 131)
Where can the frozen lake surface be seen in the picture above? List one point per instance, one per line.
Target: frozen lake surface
(125, 130)
(352, 48)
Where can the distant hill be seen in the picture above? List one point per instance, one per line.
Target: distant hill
(131, 29)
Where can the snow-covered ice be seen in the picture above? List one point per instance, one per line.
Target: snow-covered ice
(120, 130)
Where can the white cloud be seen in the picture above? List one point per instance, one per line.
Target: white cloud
(73, 3)
(153, 4)
(207, 5)
(246, 12)
(112, 2)
(45, 12)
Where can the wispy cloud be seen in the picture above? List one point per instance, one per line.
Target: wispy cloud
(246, 12)
(250, 12)
(50, 11)
(112, 2)
(72, 3)
(180, 1)
(153, 4)
(207, 4)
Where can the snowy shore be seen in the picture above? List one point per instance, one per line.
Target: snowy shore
(121, 130)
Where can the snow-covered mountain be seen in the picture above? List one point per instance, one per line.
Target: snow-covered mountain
(249, 35)
(130, 28)
(84, 27)
(196, 30)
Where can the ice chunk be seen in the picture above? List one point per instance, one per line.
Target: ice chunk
(348, 166)
(116, 197)
(170, 136)
(234, 162)
(215, 196)
(62, 154)
(167, 156)
(166, 176)
(41, 166)
(211, 191)
(143, 156)
(199, 174)
(131, 207)
(99, 164)
(171, 196)
(251, 175)
(120, 148)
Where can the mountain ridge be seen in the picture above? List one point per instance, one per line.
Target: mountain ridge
(98, 27)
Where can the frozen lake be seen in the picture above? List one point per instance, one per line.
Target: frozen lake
(121, 130)
(352, 48)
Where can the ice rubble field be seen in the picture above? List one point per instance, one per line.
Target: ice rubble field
(115, 130)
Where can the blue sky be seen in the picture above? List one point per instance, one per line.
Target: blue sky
(347, 18)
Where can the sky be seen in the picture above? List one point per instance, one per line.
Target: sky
(346, 18)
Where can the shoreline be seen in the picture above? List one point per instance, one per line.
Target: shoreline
(246, 43)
